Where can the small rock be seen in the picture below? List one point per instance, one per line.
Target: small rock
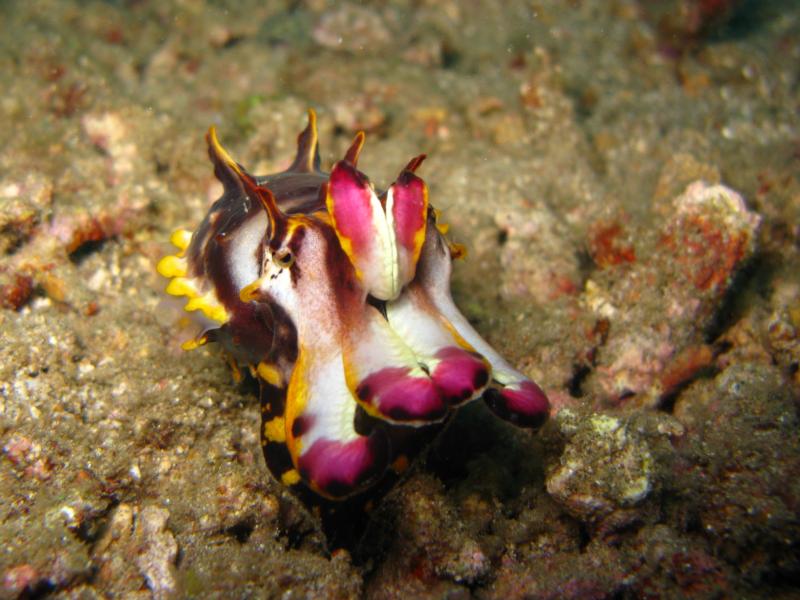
(137, 545)
(110, 133)
(607, 465)
(18, 578)
(433, 546)
(156, 561)
(660, 304)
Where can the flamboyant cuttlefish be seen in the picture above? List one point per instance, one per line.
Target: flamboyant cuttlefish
(337, 298)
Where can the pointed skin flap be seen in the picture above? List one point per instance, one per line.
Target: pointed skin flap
(227, 170)
(407, 210)
(383, 244)
(236, 179)
(307, 157)
(354, 151)
(363, 231)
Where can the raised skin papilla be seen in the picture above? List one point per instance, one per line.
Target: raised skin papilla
(336, 297)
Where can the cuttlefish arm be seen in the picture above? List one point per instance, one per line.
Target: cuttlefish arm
(385, 375)
(412, 368)
(314, 286)
(330, 456)
(459, 373)
(427, 306)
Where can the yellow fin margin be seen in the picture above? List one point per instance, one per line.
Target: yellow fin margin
(209, 306)
(172, 266)
(194, 343)
(181, 238)
(275, 430)
(290, 477)
(182, 286)
(270, 374)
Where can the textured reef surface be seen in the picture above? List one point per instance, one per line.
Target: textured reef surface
(625, 177)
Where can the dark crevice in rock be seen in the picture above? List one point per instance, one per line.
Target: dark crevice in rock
(666, 403)
(584, 537)
(41, 589)
(85, 250)
(756, 274)
(575, 383)
(502, 237)
(586, 266)
(242, 530)
(93, 527)
(451, 56)
(297, 530)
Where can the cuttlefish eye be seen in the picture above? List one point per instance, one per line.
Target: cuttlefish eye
(284, 258)
(283, 251)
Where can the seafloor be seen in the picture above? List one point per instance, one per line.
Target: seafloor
(626, 177)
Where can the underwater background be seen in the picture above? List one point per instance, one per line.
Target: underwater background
(625, 176)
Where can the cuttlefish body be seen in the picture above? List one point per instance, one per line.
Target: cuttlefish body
(337, 298)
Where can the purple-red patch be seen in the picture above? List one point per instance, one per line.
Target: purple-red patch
(409, 210)
(350, 206)
(459, 374)
(523, 403)
(402, 397)
(338, 469)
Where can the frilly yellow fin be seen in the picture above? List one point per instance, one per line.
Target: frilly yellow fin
(181, 286)
(209, 306)
(206, 303)
(181, 238)
(194, 343)
(172, 266)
